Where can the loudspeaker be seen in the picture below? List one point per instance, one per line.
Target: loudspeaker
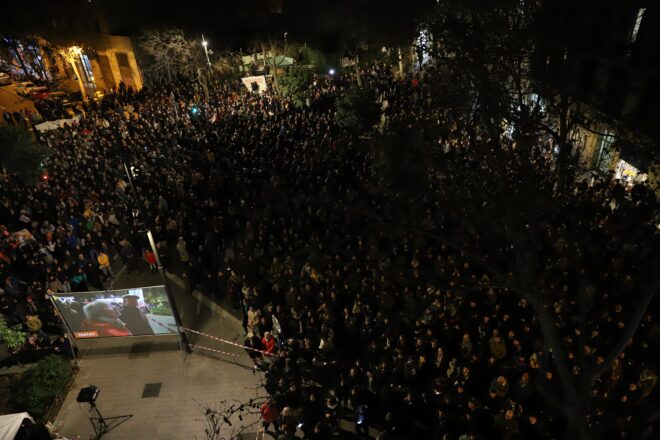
(88, 394)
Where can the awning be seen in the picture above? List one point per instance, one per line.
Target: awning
(280, 61)
(10, 424)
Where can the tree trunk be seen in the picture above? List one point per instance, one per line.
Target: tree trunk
(633, 324)
(577, 422)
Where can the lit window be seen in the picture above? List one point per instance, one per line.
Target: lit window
(638, 23)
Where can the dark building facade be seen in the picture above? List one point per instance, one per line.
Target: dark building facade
(606, 53)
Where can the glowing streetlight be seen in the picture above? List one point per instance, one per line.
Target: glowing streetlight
(206, 51)
(331, 72)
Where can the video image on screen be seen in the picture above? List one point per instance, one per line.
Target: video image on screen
(116, 313)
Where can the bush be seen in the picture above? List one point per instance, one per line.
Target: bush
(37, 388)
(12, 337)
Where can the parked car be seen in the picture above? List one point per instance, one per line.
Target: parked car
(64, 97)
(23, 88)
(26, 88)
(5, 79)
(38, 93)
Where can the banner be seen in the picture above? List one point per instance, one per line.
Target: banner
(117, 313)
(255, 83)
(347, 62)
(54, 125)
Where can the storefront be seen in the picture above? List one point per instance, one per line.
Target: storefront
(626, 172)
(605, 152)
(631, 169)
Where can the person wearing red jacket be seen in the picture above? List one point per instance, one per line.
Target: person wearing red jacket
(150, 258)
(270, 413)
(268, 343)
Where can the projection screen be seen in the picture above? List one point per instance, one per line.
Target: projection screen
(117, 313)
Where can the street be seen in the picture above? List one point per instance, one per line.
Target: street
(11, 102)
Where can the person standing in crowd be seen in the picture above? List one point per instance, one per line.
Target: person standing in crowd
(268, 343)
(270, 414)
(8, 119)
(182, 249)
(33, 323)
(18, 117)
(150, 258)
(253, 349)
(104, 264)
(253, 320)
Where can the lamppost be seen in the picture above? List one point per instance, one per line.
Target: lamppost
(183, 339)
(285, 35)
(206, 51)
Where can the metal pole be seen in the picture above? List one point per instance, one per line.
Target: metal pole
(208, 66)
(206, 51)
(183, 340)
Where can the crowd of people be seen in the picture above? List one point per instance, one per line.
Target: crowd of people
(261, 202)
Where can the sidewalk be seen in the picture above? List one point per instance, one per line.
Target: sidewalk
(162, 390)
(11, 102)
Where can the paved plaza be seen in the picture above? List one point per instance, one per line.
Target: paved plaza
(185, 383)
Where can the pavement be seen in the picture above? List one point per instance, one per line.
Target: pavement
(127, 369)
(11, 102)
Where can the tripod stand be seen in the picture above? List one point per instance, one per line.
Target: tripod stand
(103, 425)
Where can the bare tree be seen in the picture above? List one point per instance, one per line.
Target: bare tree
(226, 64)
(169, 55)
(229, 420)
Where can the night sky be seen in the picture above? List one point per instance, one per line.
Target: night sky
(331, 25)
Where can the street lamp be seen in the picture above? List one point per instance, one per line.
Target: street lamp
(206, 51)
